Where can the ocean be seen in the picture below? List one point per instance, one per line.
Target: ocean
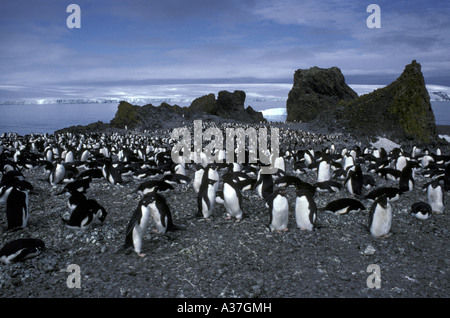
(46, 118)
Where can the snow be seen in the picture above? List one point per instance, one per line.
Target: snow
(385, 143)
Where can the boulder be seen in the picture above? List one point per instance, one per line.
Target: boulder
(206, 104)
(316, 90)
(401, 110)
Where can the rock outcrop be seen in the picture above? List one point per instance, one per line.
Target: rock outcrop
(401, 110)
(316, 90)
(228, 106)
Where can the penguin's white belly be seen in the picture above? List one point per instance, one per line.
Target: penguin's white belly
(212, 200)
(139, 229)
(198, 180)
(280, 213)
(302, 212)
(435, 201)
(382, 221)
(421, 216)
(231, 202)
(156, 216)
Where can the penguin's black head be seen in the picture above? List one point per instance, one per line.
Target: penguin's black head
(149, 198)
(211, 181)
(40, 245)
(382, 201)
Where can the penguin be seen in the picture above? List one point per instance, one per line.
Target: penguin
(152, 185)
(111, 174)
(159, 212)
(75, 199)
(198, 176)
(17, 209)
(206, 198)
(219, 197)
(401, 163)
(91, 173)
(392, 194)
(344, 206)
(212, 173)
(21, 249)
(368, 181)
(85, 214)
(146, 172)
(406, 181)
(389, 173)
(328, 186)
(435, 195)
(57, 174)
(380, 217)
(305, 211)
(176, 178)
(324, 171)
(354, 181)
(5, 190)
(77, 186)
(136, 227)
(264, 185)
(421, 210)
(278, 205)
(232, 198)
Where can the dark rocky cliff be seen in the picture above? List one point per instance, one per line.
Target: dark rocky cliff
(316, 90)
(401, 110)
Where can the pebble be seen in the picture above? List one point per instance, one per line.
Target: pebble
(370, 250)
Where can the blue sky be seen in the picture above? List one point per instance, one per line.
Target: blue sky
(130, 43)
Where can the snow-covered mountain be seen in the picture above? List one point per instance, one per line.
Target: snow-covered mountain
(264, 94)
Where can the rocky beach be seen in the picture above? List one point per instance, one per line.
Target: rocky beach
(221, 258)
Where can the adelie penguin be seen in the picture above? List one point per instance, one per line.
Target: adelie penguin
(152, 206)
(344, 206)
(421, 210)
(17, 209)
(305, 211)
(324, 171)
(435, 196)
(206, 198)
(111, 174)
(85, 213)
(278, 206)
(264, 185)
(406, 182)
(57, 174)
(354, 181)
(21, 249)
(232, 198)
(380, 217)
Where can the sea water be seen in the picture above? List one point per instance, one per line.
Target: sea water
(47, 118)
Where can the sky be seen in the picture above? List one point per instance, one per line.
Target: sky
(122, 45)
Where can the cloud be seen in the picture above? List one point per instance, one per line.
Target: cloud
(137, 41)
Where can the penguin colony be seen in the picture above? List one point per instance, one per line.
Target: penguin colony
(71, 162)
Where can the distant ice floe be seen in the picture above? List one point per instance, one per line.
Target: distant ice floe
(275, 114)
